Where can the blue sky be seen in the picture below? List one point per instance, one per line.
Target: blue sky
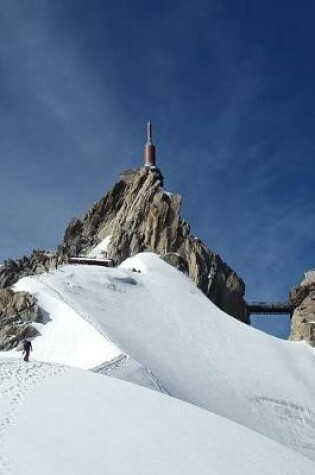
(229, 88)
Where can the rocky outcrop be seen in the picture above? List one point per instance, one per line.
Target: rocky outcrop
(18, 310)
(37, 263)
(141, 216)
(302, 298)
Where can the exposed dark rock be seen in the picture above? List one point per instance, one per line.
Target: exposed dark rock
(18, 310)
(37, 263)
(177, 261)
(140, 216)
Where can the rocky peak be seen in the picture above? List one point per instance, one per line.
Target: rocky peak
(139, 216)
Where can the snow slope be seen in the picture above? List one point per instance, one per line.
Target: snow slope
(66, 337)
(100, 250)
(57, 420)
(192, 350)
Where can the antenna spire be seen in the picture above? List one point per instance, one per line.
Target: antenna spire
(149, 132)
(149, 153)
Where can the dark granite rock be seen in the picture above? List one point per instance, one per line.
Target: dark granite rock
(18, 310)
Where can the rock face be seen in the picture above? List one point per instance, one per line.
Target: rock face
(18, 310)
(36, 263)
(140, 216)
(303, 318)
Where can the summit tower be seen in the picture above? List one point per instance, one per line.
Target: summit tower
(149, 151)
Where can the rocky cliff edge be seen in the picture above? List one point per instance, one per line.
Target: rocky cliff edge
(302, 298)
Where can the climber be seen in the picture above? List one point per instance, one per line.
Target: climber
(27, 348)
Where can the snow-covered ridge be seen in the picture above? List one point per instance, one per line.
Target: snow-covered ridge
(192, 350)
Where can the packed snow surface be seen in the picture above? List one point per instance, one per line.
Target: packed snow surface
(66, 336)
(188, 347)
(57, 420)
(100, 250)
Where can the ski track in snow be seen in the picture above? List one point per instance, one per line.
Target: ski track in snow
(114, 363)
(17, 380)
(303, 417)
(111, 368)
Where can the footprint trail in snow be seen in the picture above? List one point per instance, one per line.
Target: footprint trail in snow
(17, 380)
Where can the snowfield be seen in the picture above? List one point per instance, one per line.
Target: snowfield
(66, 336)
(57, 420)
(147, 323)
